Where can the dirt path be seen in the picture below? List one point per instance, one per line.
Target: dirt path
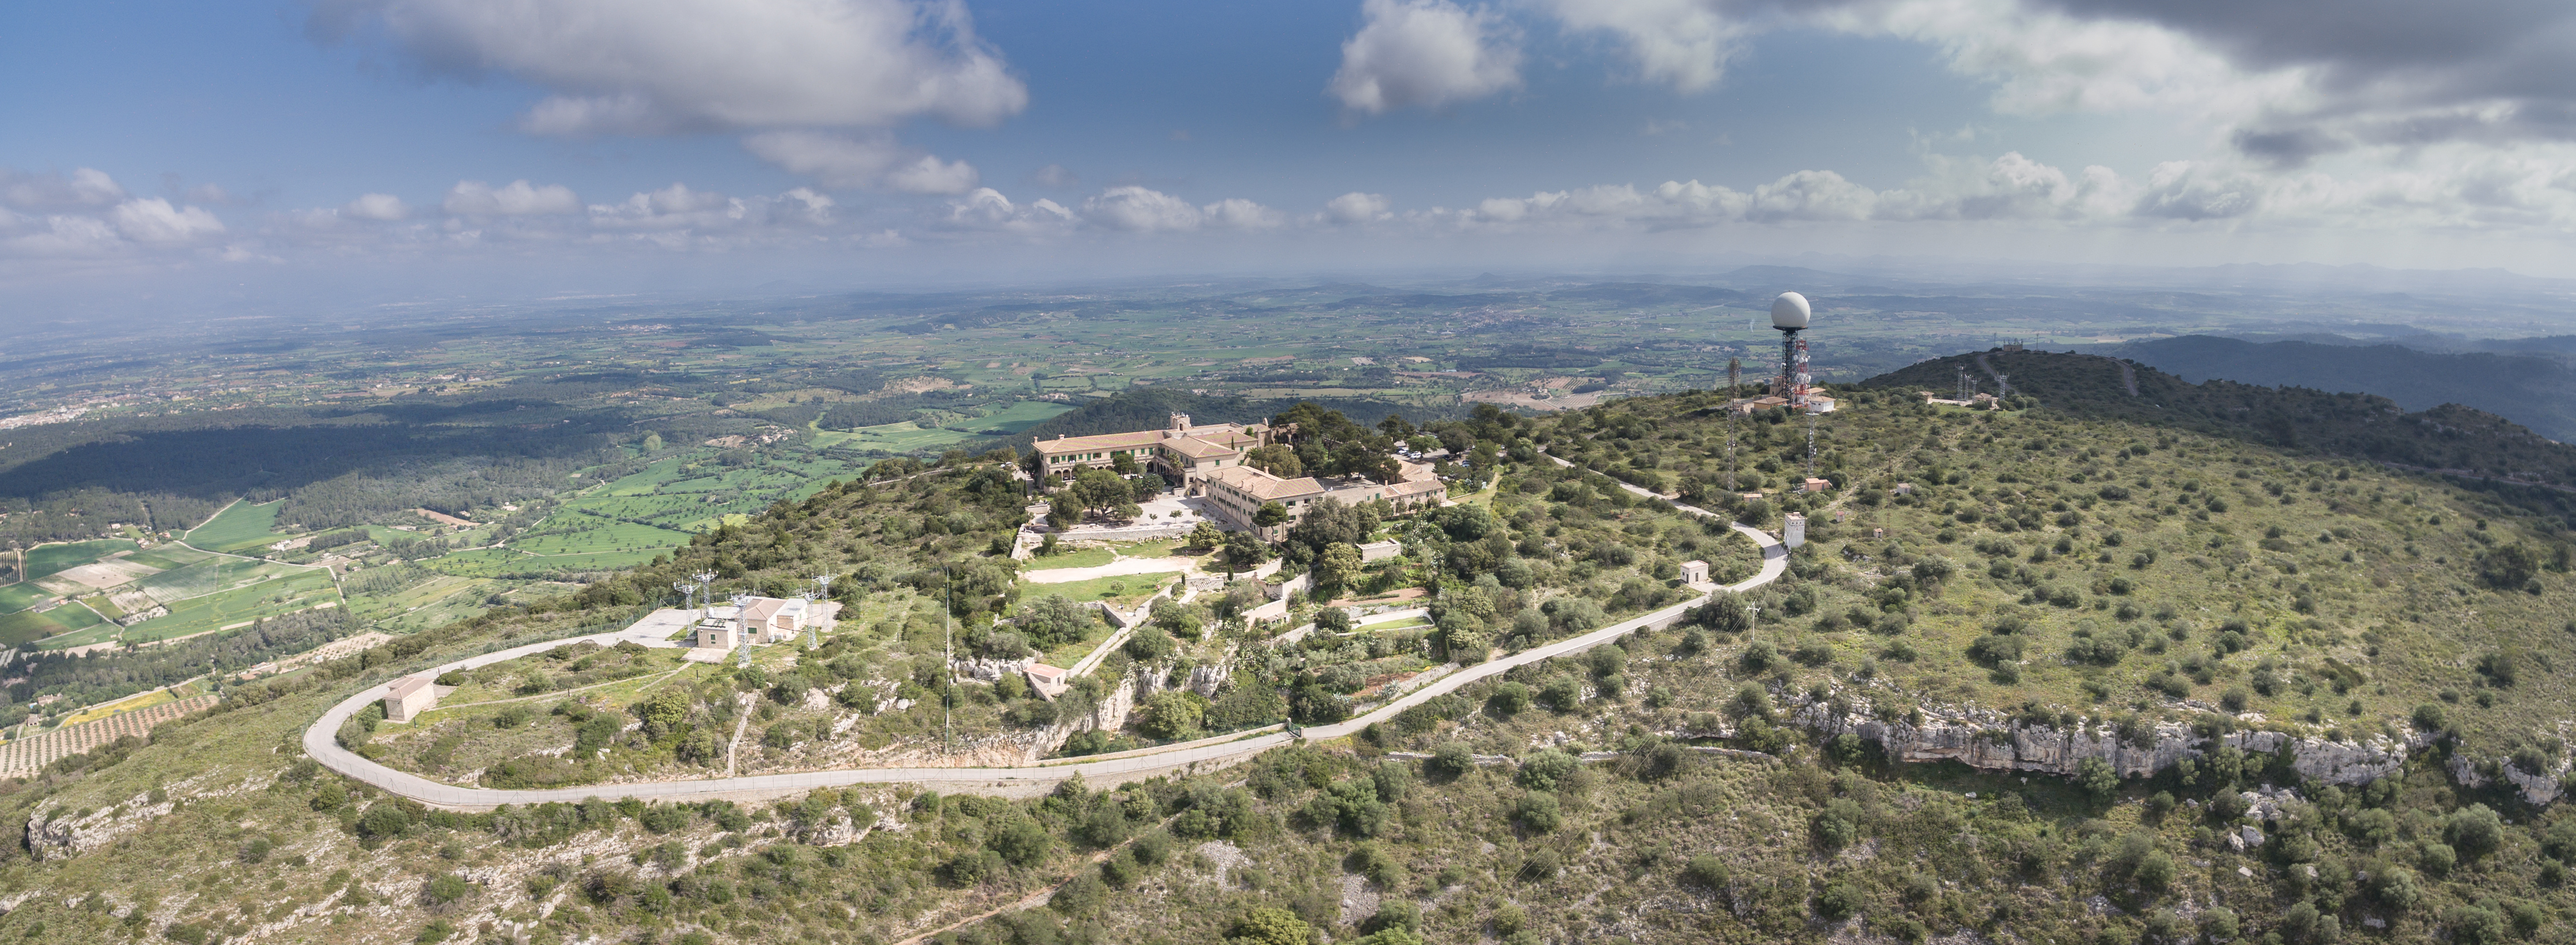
(735, 746)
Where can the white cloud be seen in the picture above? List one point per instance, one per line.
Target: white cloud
(1055, 175)
(929, 176)
(676, 66)
(1141, 210)
(1428, 53)
(376, 207)
(1681, 43)
(986, 209)
(1355, 207)
(154, 220)
(1236, 213)
(876, 162)
(66, 236)
(82, 188)
(517, 198)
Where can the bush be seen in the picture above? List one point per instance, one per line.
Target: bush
(1539, 811)
(1452, 759)
(1542, 770)
(1838, 901)
(1706, 872)
(2474, 830)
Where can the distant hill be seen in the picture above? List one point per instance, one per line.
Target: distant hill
(2449, 437)
(2537, 392)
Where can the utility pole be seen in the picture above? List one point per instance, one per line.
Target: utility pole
(1734, 389)
(741, 632)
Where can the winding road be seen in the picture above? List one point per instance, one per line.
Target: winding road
(1024, 781)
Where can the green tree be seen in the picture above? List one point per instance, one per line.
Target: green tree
(1269, 514)
(1054, 620)
(1270, 925)
(1206, 535)
(1339, 567)
(1102, 492)
(1173, 715)
(2097, 778)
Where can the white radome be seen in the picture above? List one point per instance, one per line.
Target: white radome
(1790, 311)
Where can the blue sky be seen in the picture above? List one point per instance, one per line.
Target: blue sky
(858, 140)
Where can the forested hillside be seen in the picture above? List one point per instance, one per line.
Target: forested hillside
(2537, 392)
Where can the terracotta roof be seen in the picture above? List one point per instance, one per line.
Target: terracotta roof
(761, 609)
(407, 685)
(1101, 441)
(1044, 671)
(1199, 448)
(1264, 486)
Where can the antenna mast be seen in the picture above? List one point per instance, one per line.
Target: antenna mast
(1734, 392)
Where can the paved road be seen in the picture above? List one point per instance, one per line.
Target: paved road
(1099, 771)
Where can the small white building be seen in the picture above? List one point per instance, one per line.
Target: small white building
(765, 620)
(408, 697)
(1694, 572)
(1381, 550)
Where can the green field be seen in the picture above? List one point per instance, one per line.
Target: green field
(579, 534)
(300, 589)
(17, 597)
(169, 557)
(1071, 558)
(46, 560)
(237, 528)
(23, 627)
(210, 575)
(1019, 416)
(902, 437)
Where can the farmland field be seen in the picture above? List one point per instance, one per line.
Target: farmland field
(49, 560)
(169, 557)
(26, 627)
(17, 597)
(242, 526)
(301, 589)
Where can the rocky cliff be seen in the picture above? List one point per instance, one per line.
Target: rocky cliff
(1994, 741)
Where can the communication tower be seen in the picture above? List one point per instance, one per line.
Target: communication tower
(1790, 315)
(742, 630)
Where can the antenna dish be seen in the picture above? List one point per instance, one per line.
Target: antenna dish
(1789, 312)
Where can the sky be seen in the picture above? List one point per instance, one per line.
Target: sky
(304, 152)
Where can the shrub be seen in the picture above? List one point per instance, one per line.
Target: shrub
(1838, 901)
(1705, 872)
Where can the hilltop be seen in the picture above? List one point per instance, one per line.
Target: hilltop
(2095, 668)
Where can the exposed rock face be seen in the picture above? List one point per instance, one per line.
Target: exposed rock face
(1997, 742)
(1109, 715)
(57, 834)
(2537, 789)
(1206, 680)
(988, 670)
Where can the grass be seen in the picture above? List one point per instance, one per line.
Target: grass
(1123, 590)
(1071, 558)
(49, 560)
(300, 589)
(574, 533)
(17, 597)
(169, 557)
(1065, 655)
(1017, 417)
(240, 527)
(902, 437)
(28, 627)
